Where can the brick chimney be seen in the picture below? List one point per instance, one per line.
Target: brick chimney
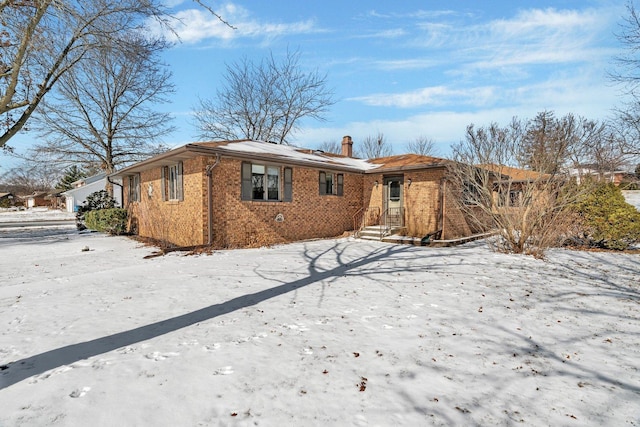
(347, 146)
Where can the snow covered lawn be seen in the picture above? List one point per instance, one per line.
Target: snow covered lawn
(332, 332)
(632, 197)
(34, 214)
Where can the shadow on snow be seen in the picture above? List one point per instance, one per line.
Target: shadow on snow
(17, 371)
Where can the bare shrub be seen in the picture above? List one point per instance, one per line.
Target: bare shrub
(529, 210)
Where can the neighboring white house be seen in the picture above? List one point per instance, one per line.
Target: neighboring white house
(86, 186)
(614, 177)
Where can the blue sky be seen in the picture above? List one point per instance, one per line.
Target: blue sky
(409, 68)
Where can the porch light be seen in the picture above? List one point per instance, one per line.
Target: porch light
(409, 183)
(376, 183)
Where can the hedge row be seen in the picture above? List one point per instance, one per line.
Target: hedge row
(112, 221)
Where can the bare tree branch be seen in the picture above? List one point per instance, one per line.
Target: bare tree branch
(40, 41)
(627, 75)
(493, 183)
(214, 13)
(334, 147)
(264, 101)
(100, 113)
(423, 146)
(28, 178)
(373, 147)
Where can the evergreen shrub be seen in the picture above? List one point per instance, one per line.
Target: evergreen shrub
(95, 201)
(610, 222)
(112, 221)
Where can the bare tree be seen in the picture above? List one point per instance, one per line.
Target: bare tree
(264, 101)
(423, 146)
(600, 149)
(100, 113)
(41, 40)
(628, 128)
(373, 147)
(529, 210)
(29, 178)
(626, 73)
(331, 147)
(547, 141)
(627, 70)
(590, 147)
(552, 144)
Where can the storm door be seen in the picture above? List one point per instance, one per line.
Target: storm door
(393, 215)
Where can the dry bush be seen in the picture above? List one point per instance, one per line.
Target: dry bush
(529, 210)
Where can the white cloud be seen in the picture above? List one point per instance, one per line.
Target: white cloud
(539, 22)
(533, 36)
(542, 37)
(566, 54)
(407, 64)
(571, 94)
(420, 14)
(196, 25)
(172, 3)
(435, 95)
(576, 89)
(392, 33)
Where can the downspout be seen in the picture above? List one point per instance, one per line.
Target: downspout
(443, 206)
(209, 172)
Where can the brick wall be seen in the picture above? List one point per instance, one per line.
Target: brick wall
(239, 223)
(372, 198)
(455, 224)
(176, 222)
(421, 199)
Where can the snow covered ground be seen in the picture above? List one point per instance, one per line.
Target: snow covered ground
(632, 197)
(34, 214)
(330, 332)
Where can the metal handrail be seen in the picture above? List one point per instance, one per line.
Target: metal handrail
(396, 213)
(364, 217)
(357, 222)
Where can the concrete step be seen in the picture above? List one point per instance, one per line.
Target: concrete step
(366, 237)
(402, 240)
(376, 232)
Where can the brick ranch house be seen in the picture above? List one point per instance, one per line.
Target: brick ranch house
(247, 193)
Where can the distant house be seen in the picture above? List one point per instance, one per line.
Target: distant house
(513, 186)
(616, 177)
(245, 193)
(36, 199)
(75, 197)
(7, 200)
(56, 200)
